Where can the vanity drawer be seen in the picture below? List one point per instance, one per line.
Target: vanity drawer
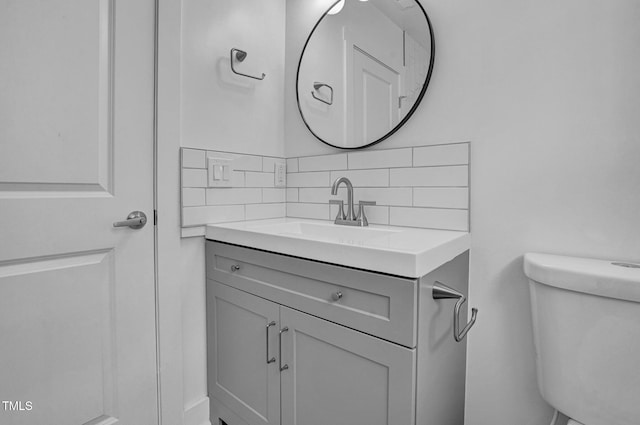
(377, 304)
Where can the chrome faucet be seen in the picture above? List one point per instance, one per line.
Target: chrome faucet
(334, 191)
(350, 218)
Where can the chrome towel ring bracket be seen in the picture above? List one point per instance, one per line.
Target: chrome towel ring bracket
(316, 88)
(240, 56)
(442, 291)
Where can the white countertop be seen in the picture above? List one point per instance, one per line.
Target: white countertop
(401, 251)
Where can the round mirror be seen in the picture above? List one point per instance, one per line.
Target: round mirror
(363, 70)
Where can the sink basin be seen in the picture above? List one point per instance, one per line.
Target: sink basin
(400, 251)
(326, 231)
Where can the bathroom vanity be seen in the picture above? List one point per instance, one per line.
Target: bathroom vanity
(301, 332)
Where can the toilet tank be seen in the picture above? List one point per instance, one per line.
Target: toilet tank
(586, 325)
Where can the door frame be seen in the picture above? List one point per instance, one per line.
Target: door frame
(171, 409)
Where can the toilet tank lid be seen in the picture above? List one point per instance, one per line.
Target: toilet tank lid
(597, 277)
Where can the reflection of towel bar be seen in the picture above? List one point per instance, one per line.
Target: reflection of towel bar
(441, 291)
(316, 87)
(240, 55)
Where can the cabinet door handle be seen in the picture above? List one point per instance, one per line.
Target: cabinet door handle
(336, 296)
(235, 267)
(283, 330)
(272, 359)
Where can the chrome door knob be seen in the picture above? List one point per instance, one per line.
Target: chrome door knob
(336, 296)
(135, 220)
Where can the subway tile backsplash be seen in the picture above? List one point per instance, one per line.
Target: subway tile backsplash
(425, 186)
(251, 197)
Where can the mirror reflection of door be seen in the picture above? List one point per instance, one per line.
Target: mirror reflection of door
(376, 102)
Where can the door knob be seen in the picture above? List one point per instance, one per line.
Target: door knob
(135, 220)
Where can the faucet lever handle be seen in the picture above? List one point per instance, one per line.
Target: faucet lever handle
(340, 204)
(362, 217)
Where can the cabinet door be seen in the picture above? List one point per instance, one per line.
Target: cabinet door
(339, 376)
(240, 342)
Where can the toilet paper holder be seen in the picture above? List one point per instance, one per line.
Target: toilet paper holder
(442, 291)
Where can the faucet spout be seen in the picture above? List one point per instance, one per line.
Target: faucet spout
(334, 191)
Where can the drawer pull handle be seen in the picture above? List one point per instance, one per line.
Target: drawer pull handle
(235, 267)
(283, 330)
(272, 359)
(336, 296)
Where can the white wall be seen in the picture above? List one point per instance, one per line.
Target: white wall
(202, 104)
(548, 94)
(220, 110)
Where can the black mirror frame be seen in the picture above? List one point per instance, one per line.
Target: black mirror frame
(411, 111)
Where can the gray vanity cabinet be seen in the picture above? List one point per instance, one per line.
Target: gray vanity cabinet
(297, 342)
(238, 338)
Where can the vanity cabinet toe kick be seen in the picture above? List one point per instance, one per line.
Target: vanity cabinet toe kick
(293, 341)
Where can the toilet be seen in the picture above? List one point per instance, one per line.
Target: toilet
(586, 330)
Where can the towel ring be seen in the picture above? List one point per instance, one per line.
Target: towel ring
(442, 291)
(316, 87)
(241, 55)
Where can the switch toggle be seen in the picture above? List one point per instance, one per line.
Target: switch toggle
(219, 172)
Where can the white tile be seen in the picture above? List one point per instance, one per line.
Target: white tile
(398, 196)
(274, 195)
(364, 178)
(292, 195)
(247, 163)
(260, 179)
(193, 216)
(430, 176)
(317, 211)
(455, 154)
(292, 165)
(191, 232)
(268, 164)
(375, 214)
(237, 179)
(192, 197)
(316, 195)
(229, 196)
(380, 159)
(323, 162)
(194, 158)
(429, 218)
(240, 162)
(441, 197)
(194, 178)
(264, 211)
(313, 179)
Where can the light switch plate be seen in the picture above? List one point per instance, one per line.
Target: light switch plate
(219, 172)
(280, 173)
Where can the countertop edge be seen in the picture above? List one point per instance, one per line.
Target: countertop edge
(406, 265)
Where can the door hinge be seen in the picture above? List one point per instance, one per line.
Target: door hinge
(155, 217)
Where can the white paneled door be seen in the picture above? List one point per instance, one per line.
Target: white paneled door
(77, 307)
(376, 102)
